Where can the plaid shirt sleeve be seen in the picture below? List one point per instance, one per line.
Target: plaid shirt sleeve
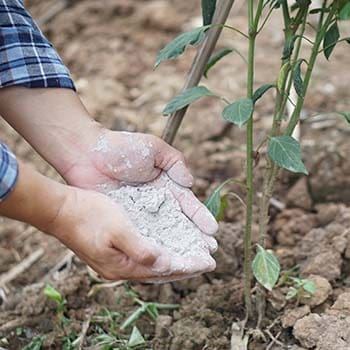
(8, 171)
(26, 57)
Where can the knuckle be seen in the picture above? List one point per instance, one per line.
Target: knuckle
(110, 275)
(144, 256)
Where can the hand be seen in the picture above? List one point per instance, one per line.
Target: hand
(118, 158)
(57, 125)
(100, 233)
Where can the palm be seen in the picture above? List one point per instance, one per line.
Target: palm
(118, 158)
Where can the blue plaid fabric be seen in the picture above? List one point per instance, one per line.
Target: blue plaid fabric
(26, 57)
(8, 171)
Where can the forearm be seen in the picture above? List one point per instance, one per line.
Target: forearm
(35, 199)
(53, 121)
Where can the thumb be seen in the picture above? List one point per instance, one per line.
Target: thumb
(173, 162)
(135, 246)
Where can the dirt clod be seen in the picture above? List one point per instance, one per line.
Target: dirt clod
(292, 315)
(323, 332)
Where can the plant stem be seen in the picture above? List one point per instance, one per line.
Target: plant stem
(249, 161)
(291, 27)
(315, 51)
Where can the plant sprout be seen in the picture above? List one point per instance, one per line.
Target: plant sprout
(282, 150)
(302, 288)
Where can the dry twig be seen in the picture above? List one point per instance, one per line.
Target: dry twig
(21, 267)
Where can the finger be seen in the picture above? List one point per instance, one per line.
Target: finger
(179, 173)
(196, 270)
(172, 161)
(135, 246)
(195, 210)
(212, 243)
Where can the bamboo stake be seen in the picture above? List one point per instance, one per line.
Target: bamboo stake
(198, 66)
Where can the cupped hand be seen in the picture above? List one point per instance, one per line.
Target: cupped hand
(117, 158)
(100, 233)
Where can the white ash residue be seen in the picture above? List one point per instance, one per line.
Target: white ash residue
(102, 144)
(158, 216)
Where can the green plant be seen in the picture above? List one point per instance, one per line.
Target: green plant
(282, 150)
(57, 297)
(109, 342)
(146, 308)
(301, 288)
(60, 301)
(35, 344)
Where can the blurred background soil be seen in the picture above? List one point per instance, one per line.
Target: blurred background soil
(110, 47)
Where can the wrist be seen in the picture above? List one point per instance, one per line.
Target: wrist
(35, 199)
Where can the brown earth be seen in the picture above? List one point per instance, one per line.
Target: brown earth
(110, 48)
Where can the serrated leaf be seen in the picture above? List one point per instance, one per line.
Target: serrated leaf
(136, 338)
(53, 294)
(208, 10)
(266, 268)
(185, 98)
(176, 47)
(309, 287)
(330, 40)
(285, 151)
(218, 56)
(214, 201)
(261, 91)
(346, 115)
(239, 112)
(297, 79)
(344, 13)
(282, 76)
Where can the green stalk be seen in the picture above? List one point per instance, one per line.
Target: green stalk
(311, 63)
(249, 165)
(271, 168)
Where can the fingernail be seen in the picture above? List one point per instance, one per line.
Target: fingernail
(162, 264)
(212, 243)
(180, 174)
(206, 221)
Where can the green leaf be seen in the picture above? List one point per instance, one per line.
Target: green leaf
(136, 338)
(297, 79)
(176, 47)
(261, 91)
(133, 318)
(344, 13)
(285, 151)
(218, 56)
(239, 112)
(208, 10)
(330, 40)
(152, 310)
(309, 287)
(346, 115)
(292, 293)
(215, 202)
(297, 281)
(266, 268)
(185, 98)
(35, 344)
(282, 76)
(53, 294)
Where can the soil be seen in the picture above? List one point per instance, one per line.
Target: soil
(110, 47)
